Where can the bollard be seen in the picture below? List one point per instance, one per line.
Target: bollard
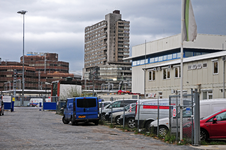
(40, 106)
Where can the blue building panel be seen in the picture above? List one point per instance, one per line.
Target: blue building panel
(175, 54)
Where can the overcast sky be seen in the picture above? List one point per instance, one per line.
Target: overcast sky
(57, 26)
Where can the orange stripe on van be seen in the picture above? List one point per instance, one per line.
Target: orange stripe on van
(154, 107)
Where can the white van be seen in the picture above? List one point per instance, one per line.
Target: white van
(149, 111)
(207, 107)
(35, 102)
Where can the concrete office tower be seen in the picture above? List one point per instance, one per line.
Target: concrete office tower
(106, 44)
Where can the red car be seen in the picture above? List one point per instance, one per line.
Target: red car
(211, 127)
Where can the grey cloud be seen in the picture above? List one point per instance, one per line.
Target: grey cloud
(58, 25)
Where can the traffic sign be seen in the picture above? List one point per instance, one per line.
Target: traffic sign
(174, 112)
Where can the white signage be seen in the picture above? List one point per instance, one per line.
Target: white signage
(7, 99)
(151, 94)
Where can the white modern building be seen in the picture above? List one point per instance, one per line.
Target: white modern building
(156, 66)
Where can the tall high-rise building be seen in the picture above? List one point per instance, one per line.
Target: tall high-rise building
(106, 44)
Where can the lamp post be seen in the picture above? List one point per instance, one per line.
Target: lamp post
(23, 12)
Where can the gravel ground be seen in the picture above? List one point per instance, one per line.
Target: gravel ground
(29, 128)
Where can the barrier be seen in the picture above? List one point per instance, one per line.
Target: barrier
(49, 106)
(7, 105)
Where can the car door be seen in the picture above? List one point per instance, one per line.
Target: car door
(87, 108)
(218, 127)
(69, 109)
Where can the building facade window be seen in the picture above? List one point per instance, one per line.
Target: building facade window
(207, 95)
(166, 73)
(160, 95)
(152, 75)
(215, 67)
(177, 72)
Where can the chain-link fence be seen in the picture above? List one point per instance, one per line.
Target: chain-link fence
(160, 116)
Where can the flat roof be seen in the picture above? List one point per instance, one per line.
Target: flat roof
(202, 42)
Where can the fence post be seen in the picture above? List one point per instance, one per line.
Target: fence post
(40, 106)
(170, 115)
(138, 122)
(197, 119)
(123, 114)
(192, 117)
(158, 118)
(177, 116)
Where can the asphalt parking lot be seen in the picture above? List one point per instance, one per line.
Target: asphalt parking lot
(29, 128)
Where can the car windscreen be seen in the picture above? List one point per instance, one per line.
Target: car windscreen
(210, 115)
(86, 103)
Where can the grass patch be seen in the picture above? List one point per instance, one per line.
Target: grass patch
(111, 125)
(168, 138)
(213, 142)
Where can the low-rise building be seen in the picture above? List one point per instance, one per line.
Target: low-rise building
(156, 66)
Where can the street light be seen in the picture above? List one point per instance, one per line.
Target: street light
(23, 12)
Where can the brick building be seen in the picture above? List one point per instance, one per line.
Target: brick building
(39, 68)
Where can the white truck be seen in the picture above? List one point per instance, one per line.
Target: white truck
(65, 89)
(147, 111)
(207, 107)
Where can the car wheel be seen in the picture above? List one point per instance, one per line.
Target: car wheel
(65, 121)
(131, 123)
(117, 120)
(163, 130)
(203, 135)
(147, 125)
(102, 116)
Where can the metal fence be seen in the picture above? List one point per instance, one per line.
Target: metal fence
(163, 115)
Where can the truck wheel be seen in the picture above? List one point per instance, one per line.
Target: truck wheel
(131, 123)
(96, 122)
(147, 125)
(65, 121)
(163, 130)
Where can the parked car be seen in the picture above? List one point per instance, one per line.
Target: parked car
(129, 118)
(211, 127)
(116, 115)
(103, 104)
(207, 107)
(117, 105)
